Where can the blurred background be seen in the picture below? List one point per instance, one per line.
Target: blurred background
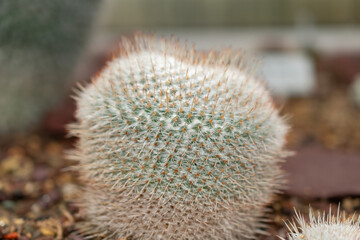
(309, 56)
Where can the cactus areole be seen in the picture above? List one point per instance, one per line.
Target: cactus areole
(176, 144)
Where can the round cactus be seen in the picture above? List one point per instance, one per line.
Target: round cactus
(325, 227)
(176, 144)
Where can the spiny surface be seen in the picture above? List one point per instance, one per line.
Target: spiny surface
(325, 227)
(192, 131)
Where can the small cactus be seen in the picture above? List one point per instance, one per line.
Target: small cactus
(325, 227)
(176, 144)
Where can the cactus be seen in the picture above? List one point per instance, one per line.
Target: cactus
(39, 44)
(176, 144)
(325, 227)
(355, 91)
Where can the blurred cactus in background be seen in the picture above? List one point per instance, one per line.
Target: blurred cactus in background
(175, 144)
(40, 41)
(325, 227)
(355, 91)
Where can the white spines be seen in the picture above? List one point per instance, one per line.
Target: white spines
(325, 227)
(176, 144)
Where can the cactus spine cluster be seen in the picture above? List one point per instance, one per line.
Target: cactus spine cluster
(325, 227)
(176, 144)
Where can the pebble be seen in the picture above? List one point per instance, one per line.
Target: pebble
(49, 199)
(18, 221)
(10, 205)
(347, 204)
(12, 235)
(47, 232)
(40, 173)
(3, 222)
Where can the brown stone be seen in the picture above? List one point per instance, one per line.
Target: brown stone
(343, 67)
(317, 172)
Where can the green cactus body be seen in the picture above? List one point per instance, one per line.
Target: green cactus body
(325, 227)
(176, 144)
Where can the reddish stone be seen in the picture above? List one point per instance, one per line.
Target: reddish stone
(316, 172)
(343, 67)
